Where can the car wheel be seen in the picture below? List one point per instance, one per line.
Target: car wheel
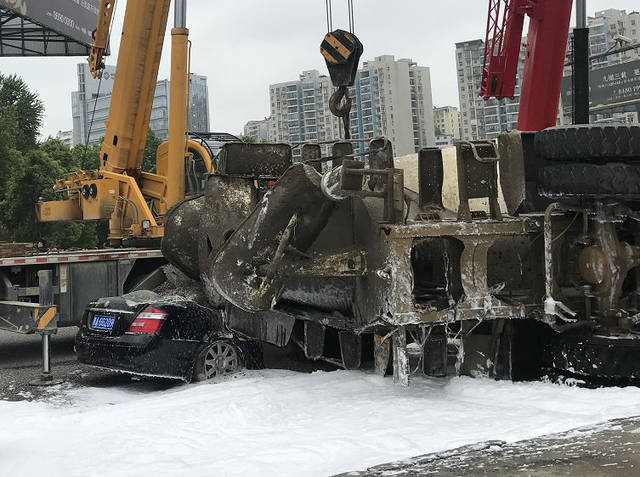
(219, 358)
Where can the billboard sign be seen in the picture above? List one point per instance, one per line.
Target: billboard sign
(74, 19)
(610, 85)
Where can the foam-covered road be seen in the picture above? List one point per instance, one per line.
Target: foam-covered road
(288, 423)
(283, 423)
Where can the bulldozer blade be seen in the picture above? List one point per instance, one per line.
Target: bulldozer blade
(247, 269)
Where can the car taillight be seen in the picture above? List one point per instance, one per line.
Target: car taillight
(148, 321)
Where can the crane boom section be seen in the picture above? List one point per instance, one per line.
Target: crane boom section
(100, 38)
(544, 64)
(544, 58)
(134, 87)
(502, 48)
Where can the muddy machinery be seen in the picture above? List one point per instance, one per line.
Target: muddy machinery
(135, 202)
(354, 267)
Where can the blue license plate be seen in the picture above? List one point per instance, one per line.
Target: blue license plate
(103, 322)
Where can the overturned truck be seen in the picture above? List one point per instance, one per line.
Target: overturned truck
(536, 270)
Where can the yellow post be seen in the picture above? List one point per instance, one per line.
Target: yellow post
(178, 107)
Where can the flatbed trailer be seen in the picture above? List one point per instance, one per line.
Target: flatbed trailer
(75, 278)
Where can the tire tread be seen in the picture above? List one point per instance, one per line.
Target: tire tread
(591, 142)
(591, 180)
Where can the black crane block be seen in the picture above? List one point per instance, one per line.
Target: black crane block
(342, 51)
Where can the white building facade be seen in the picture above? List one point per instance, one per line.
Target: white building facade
(480, 119)
(65, 137)
(300, 110)
(259, 130)
(393, 99)
(447, 121)
(390, 98)
(605, 28)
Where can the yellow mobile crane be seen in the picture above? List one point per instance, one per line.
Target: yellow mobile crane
(134, 201)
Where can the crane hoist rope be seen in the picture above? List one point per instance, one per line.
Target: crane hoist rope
(328, 6)
(96, 68)
(342, 51)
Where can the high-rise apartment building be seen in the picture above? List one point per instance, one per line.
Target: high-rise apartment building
(90, 106)
(608, 29)
(300, 110)
(259, 130)
(605, 28)
(447, 121)
(485, 120)
(480, 119)
(391, 98)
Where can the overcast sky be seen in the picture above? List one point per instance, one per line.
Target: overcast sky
(245, 45)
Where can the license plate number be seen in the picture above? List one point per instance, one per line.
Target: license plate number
(103, 322)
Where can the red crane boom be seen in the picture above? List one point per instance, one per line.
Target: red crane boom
(544, 61)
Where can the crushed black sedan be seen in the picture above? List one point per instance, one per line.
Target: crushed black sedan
(145, 334)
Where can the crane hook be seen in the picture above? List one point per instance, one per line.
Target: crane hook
(341, 109)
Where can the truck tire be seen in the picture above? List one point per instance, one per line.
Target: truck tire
(589, 142)
(591, 180)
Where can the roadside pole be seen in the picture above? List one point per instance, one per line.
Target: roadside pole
(47, 328)
(581, 65)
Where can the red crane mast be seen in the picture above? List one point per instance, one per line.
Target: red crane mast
(544, 61)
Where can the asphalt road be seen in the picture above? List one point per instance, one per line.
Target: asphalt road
(21, 363)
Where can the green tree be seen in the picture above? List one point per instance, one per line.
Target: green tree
(10, 158)
(86, 158)
(25, 107)
(150, 148)
(58, 151)
(249, 139)
(28, 172)
(34, 179)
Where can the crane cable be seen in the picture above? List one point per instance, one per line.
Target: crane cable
(328, 6)
(95, 103)
(338, 108)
